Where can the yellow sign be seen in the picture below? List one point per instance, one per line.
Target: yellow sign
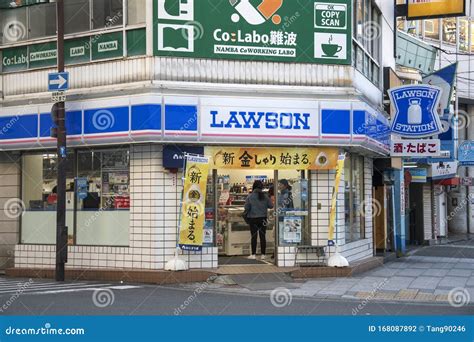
(418, 9)
(193, 206)
(280, 158)
(335, 192)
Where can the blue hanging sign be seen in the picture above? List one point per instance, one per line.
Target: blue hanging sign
(416, 110)
(466, 153)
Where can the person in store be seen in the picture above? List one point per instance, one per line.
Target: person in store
(285, 198)
(256, 209)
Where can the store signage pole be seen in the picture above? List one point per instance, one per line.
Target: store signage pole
(61, 229)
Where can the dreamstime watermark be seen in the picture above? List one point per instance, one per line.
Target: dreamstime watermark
(465, 202)
(371, 30)
(192, 297)
(110, 22)
(47, 329)
(459, 297)
(103, 298)
(281, 297)
(14, 208)
(14, 31)
(377, 288)
(110, 201)
(103, 119)
(21, 288)
(197, 29)
(371, 208)
(6, 127)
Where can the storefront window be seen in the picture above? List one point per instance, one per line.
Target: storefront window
(103, 209)
(14, 25)
(432, 29)
(354, 198)
(97, 198)
(449, 30)
(136, 12)
(107, 13)
(76, 16)
(38, 26)
(39, 196)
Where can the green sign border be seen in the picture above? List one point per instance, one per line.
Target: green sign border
(217, 10)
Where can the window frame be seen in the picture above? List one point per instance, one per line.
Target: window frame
(75, 210)
(366, 45)
(353, 160)
(124, 28)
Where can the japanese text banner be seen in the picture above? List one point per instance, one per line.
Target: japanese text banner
(281, 158)
(193, 203)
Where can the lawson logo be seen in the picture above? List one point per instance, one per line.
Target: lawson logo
(260, 120)
(416, 110)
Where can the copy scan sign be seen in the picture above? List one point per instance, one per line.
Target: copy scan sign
(416, 111)
(193, 208)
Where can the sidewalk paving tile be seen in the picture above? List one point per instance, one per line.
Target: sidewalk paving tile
(397, 264)
(460, 273)
(425, 283)
(406, 294)
(465, 265)
(398, 283)
(435, 272)
(452, 282)
(470, 281)
(385, 295)
(364, 295)
(442, 298)
(411, 272)
(425, 265)
(383, 272)
(425, 297)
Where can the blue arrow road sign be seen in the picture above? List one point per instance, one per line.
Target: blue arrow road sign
(58, 81)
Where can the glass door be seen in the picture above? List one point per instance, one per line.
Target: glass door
(292, 208)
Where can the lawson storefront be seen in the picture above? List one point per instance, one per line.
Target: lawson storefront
(123, 197)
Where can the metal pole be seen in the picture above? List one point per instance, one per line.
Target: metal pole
(61, 229)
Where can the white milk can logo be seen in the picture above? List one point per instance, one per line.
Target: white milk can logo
(257, 15)
(103, 120)
(416, 110)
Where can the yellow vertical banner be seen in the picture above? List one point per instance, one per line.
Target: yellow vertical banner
(335, 192)
(193, 204)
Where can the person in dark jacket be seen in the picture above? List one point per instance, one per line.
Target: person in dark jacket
(285, 199)
(256, 207)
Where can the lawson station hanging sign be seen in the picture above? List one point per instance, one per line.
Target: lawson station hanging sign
(416, 110)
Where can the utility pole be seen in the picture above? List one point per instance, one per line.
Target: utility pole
(60, 113)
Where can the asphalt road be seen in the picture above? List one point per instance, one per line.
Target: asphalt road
(159, 300)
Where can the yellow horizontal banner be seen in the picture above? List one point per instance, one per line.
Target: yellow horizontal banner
(428, 8)
(281, 158)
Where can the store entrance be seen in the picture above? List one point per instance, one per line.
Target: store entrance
(288, 191)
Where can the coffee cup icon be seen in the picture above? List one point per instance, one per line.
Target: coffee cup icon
(330, 50)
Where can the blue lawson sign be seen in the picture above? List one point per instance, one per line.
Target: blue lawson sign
(466, 153)
(416, 110)
(58, 81)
